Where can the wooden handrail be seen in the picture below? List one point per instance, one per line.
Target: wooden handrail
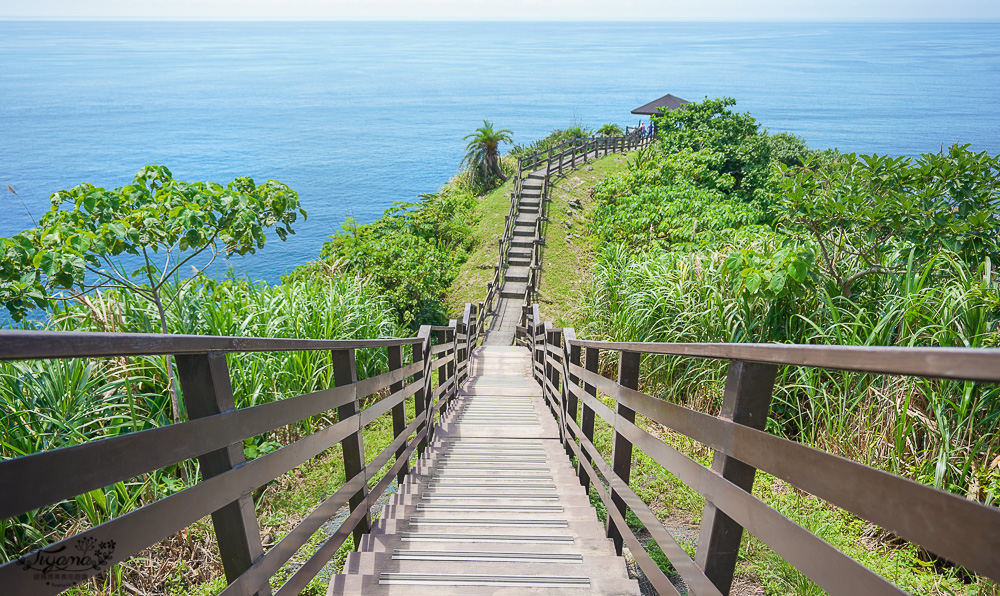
(214, 434)
(36, 345)
(962, 531)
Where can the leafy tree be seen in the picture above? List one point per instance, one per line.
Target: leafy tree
(788, 149)
(734, 141)
(169, 225)
(482, 153)
(871, 214)
(610, 130)
(792, 150)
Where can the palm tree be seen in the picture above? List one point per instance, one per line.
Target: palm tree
(482, 152)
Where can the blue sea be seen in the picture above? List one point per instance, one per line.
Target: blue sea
(355, 116)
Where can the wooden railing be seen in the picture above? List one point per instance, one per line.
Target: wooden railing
(214, 434)
(962, 531)
(568, 153)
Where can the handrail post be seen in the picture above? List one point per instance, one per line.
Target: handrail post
(621, 453)
(549, 365)
(571, 355)
(591, 356)
(536, 324)
(451, 336)
(421, 353)
(470, 341)
(345, 372)
(207, 391)
(395, 354)
(747, 401)
(555, 374)
(442, 376)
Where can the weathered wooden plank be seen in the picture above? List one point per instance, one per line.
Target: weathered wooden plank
(34, 345)
(969, 364)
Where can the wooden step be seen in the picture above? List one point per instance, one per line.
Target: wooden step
(493, 506)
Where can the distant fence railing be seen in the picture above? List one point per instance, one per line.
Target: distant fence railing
(964, 532)
(214, 434)
(567, 153)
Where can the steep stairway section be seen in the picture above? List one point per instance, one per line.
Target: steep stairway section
(493, 507)
(520, 256)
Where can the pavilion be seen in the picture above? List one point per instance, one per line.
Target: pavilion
(667, 102)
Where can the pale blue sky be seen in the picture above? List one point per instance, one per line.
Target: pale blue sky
(530, 10)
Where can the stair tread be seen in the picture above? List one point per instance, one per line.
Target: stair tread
(493, 506)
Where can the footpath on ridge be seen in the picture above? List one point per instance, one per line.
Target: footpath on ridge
(494, 505)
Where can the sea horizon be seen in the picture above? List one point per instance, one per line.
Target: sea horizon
(355, 115)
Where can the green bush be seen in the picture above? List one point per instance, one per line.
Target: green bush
(678, 200)
(733, 142)
(410, 255)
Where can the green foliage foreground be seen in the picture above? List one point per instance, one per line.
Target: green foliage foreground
(51, 404)
(165, 223)
(724, 234)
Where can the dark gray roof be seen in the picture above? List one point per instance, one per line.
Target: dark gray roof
(668, 101)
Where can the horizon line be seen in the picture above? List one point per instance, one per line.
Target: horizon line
(218, 19)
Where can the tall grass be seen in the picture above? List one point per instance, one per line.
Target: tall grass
(51, 404)
(942, 433)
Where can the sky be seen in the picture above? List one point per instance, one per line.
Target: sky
(516, 10)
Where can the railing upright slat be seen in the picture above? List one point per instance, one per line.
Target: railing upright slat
(207, 391)
(395, 359)
(345, 372)
(422, 353)
(591, 356)
(747, 401)
(621, 453)
(571, 355)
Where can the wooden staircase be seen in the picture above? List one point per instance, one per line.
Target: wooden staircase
(493, 506)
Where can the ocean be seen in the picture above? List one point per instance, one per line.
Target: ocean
(355, 116)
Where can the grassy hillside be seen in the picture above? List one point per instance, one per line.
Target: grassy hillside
(477, 271)
(567, 258)
(568, 255)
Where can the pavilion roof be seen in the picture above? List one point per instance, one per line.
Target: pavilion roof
(668, 101)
